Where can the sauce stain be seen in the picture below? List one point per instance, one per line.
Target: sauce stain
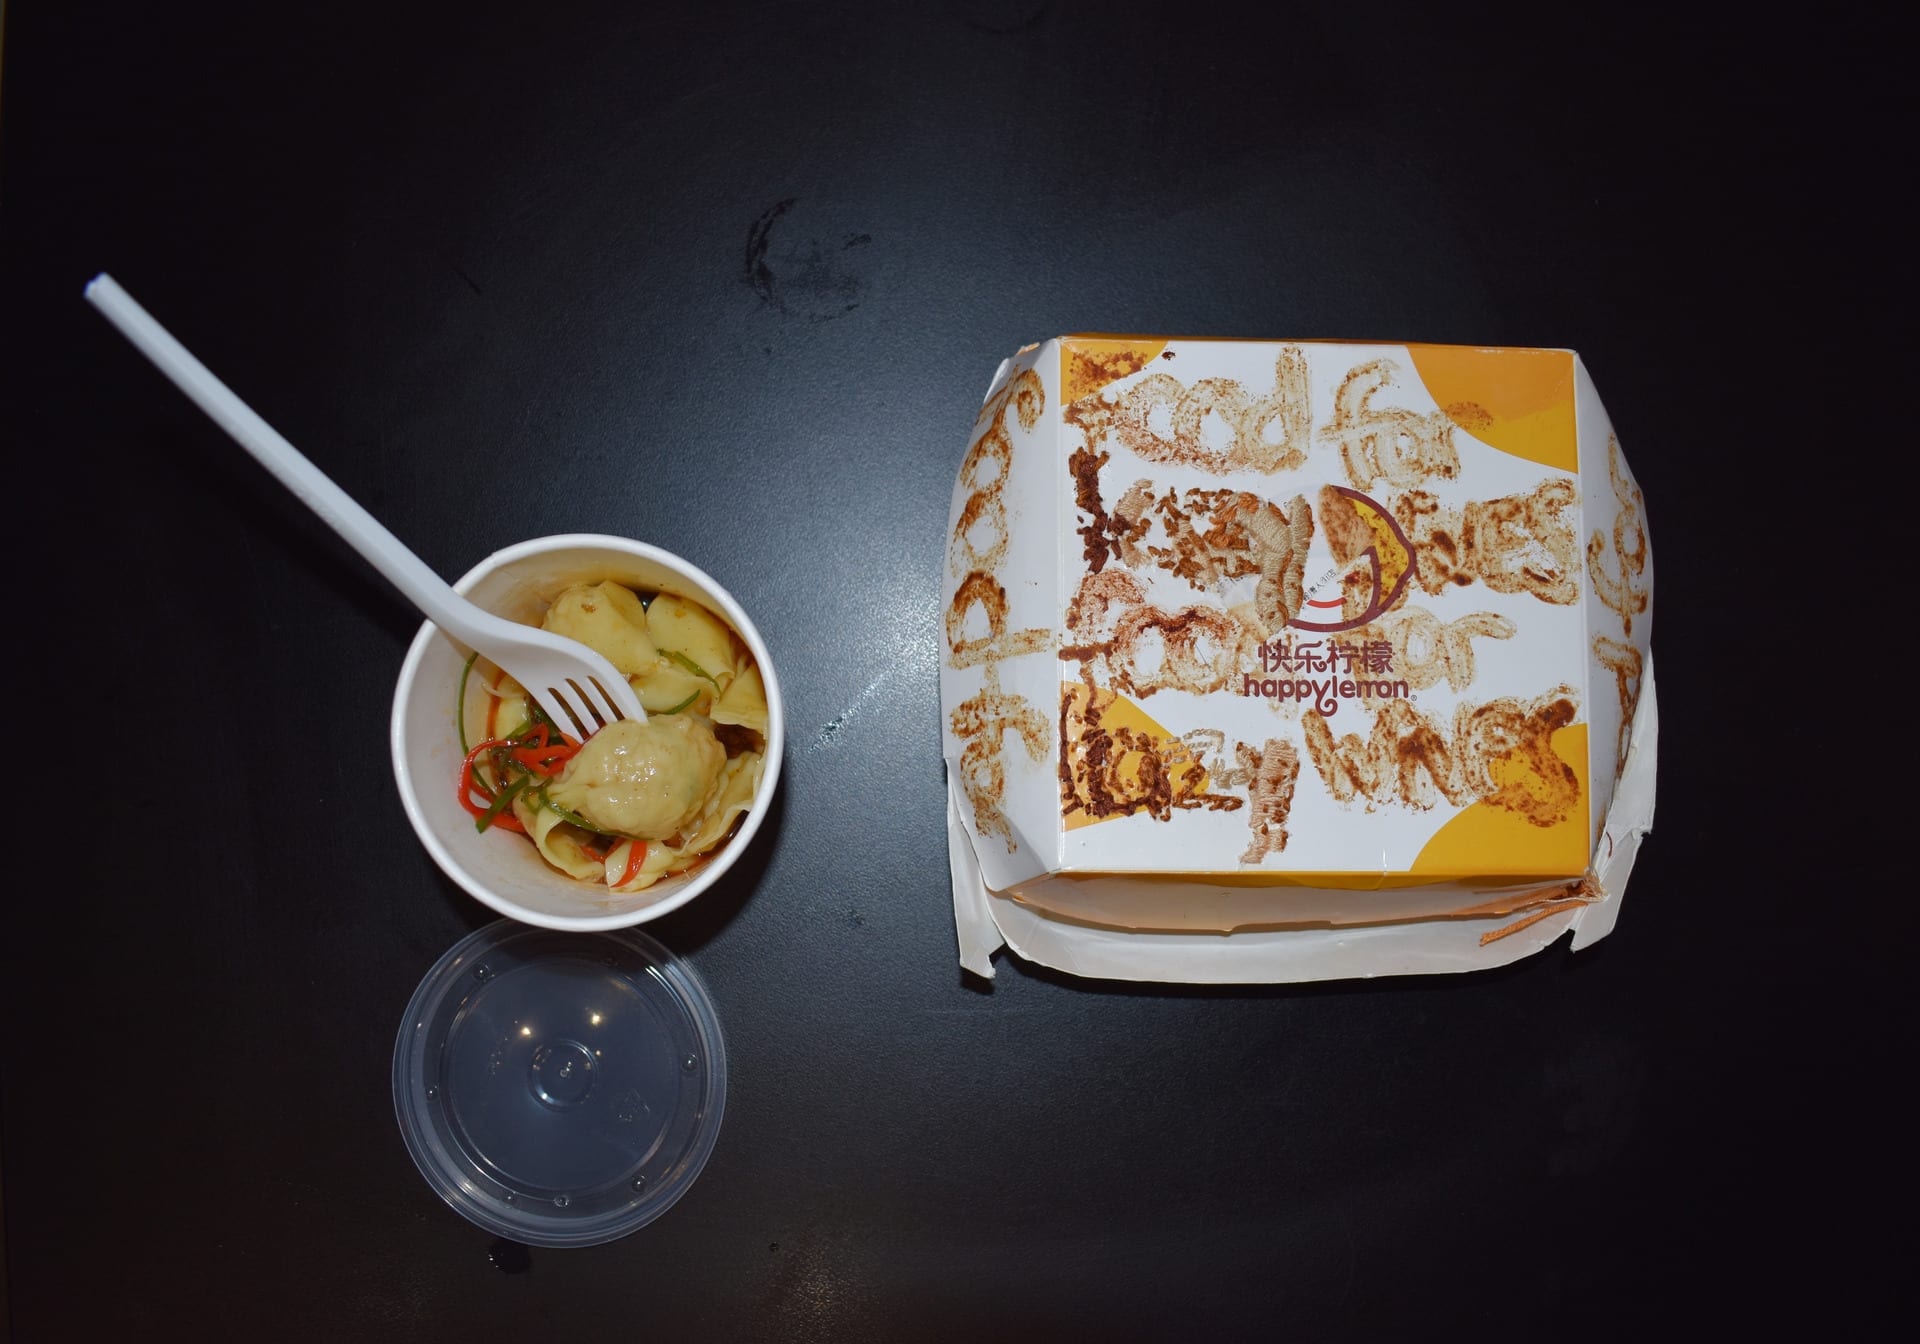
(1499, 752)
(979, 545)
(1399, 446)
(1515, 544)
(1161, 419)
(1619, 590)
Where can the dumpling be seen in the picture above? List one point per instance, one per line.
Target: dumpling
(693, 632)
(740, 779)
(610, 620)
(646, 780)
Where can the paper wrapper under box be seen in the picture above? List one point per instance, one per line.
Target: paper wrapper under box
(1293, 661)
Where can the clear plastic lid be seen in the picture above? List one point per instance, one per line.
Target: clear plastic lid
(560, 1089)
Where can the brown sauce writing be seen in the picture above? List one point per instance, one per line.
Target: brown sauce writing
(1498, 751)
(977, 548)
(1162, 419)
(1517, 544)
(1398, 446)
(1621, 589)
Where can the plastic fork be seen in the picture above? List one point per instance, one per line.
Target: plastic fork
(576, 686)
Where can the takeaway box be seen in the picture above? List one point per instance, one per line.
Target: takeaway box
(1273, 661)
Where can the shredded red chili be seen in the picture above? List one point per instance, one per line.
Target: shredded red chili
(635, 857)
(470, 783)
(538, 754)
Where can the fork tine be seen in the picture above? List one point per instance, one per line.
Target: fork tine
(605, 703)
(591, 710)
(579, 700)
(561, 711)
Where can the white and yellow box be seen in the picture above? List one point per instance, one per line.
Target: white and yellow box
(1272, 661)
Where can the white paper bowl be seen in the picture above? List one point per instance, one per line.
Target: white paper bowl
(501, 869)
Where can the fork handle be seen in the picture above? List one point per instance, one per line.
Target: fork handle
(365, 533)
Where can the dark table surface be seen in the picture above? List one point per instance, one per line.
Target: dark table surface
(733, 278)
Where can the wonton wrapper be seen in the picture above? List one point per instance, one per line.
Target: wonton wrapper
(739, 781)
(667, 687)
(689, 629)
(646, 780)
(510, 714)
(608, 619)
(745, 703)
(557, 840)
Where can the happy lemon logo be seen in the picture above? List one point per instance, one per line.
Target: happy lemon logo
(1374, 560)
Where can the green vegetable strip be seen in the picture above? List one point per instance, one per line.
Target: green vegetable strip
(691, 666)
(539, 715)
(567, 815)
(460, 702)
(501, 801)
(682, 705)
